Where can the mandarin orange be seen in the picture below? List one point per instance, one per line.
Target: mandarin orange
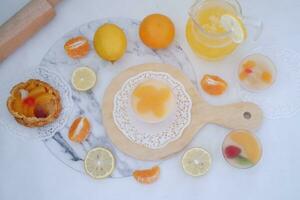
(157, 31)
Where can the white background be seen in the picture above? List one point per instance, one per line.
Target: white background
(29, 171)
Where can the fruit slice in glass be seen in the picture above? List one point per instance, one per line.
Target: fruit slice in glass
(256, 72)
(241, 149)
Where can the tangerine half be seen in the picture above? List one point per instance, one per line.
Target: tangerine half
(77, 47)
(79, 129)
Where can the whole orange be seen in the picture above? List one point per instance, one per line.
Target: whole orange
(157, 31)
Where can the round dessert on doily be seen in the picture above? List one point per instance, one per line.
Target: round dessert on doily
(89, 103)
(152, 135)
(282, 99)
(57, 82)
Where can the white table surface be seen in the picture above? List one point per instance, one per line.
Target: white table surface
(29, 171)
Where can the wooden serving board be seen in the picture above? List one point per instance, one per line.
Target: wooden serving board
(242, 115)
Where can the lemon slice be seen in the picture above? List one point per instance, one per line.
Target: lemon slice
(196, 162)
(99, 163)
(83, 78)
(235, 26)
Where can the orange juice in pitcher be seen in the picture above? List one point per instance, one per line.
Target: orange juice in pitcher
(215, 28)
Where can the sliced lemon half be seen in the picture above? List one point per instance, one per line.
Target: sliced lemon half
(83, 78)
(235, 26)
(196, 161)
(99, 163)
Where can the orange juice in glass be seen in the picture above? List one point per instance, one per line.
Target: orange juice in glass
(216, 28)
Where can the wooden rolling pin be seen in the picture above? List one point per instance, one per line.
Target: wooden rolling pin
(24, 24)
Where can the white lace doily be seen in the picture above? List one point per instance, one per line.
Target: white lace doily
(282, 99)
(152, 135)
(49, 130)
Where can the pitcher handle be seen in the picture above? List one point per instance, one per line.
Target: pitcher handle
(256, 24)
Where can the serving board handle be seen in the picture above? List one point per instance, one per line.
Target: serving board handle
(242, 115)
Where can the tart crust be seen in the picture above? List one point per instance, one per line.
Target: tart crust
(34, 121)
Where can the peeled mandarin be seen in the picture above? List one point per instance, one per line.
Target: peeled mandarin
(213, 85)
(249, 144)
(79, 129)
(77, 47)
(147, 176)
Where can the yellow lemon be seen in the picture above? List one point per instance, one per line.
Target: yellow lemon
(110, 42)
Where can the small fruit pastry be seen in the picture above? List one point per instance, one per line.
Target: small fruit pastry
(256, 72)
(77, 47)
(147, 176)
(241, 149)
(153, 100)
(213, 85)
(34, 103)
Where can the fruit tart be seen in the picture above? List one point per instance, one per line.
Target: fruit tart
(34, 103)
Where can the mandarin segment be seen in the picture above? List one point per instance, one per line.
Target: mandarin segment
(147, 176)
(213, 85)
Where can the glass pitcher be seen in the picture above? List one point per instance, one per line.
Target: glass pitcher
(207, 36)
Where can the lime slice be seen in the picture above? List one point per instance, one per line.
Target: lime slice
(99, 163)
(83, 78)
(235, 26)
(196, 162)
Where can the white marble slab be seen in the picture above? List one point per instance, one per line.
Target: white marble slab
(89, 103)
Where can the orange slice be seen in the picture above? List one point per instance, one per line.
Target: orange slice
(213, 85)
(249, 143)
(147, 176)
(79, 130)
